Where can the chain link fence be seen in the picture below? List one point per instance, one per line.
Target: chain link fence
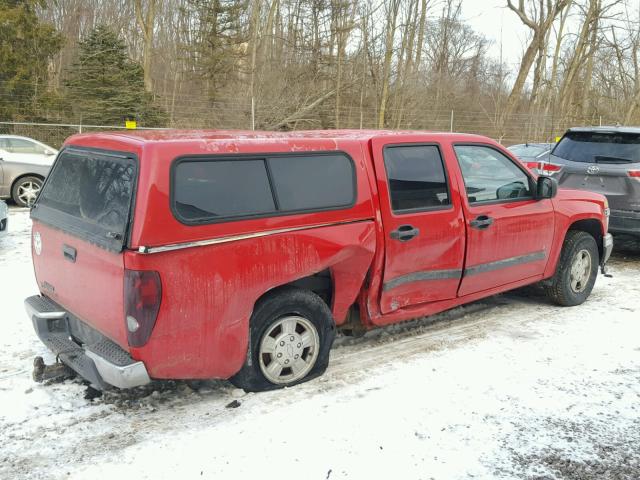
(519, 128)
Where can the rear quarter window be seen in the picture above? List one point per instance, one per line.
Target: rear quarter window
(209, 190)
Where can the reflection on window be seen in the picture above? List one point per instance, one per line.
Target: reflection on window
(489, 175)
(97, 191)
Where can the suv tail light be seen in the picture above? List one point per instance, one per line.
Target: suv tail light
(634, 174)
(549, 168)
(532, 165)
(142, 295)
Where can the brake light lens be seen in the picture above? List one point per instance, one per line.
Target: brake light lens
(531, 165)
(634, 174)
(142, 297)
(549, 168)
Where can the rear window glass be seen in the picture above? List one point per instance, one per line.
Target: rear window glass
(208, 190)
(93, 193)
(599, 147)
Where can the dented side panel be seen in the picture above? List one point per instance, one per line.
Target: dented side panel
(209, 292)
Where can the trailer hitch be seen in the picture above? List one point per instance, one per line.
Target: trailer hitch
(56, 372)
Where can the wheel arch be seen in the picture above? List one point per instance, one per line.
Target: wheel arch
(320, 283)
(21, 176)
(591, 226)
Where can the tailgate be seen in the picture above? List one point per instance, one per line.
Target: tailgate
(602, 160)
(80, 227)
(613, 181)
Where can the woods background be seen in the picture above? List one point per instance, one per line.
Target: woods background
(306, 64)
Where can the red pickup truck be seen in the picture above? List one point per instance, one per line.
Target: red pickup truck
(236, 255)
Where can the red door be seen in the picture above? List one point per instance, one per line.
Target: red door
(423, 224)
(509, 233)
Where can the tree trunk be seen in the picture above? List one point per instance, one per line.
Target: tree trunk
(146, 24)
(392, 15)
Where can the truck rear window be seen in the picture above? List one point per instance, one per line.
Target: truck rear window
(89, 194)
(599, 147)
(215, 189)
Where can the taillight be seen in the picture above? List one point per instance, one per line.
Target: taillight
(549, 168)
(634, 174)
(531, 165)
(142, 295)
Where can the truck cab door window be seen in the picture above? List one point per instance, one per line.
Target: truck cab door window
(490, 176)
(416, 178)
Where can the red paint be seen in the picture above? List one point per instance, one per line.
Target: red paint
(208, 292)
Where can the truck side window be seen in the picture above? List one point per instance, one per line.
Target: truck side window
(216, 189)
(223, 188)
(313, 182)
(416, 177)
(489, 175)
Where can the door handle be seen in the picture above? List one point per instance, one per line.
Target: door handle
(482, 222)
(69, 253)
(404, 233)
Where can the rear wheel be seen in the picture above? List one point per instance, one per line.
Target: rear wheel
(292, 331)
(26, 190)
(577, 270)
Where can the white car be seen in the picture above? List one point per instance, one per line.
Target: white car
(24, 164)
(4, 219)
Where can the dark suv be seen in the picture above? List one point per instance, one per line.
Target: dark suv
(604, 160)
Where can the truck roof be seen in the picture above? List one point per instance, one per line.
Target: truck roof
(160, 136)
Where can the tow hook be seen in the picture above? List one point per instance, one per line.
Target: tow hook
(43, 372)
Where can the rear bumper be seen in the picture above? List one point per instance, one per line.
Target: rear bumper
(93, 356)
(624, 221)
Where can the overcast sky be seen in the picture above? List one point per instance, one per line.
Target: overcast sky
(489, 17)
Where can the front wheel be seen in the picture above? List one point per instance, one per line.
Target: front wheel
(577, 270)
(291, 333)
(26, 190)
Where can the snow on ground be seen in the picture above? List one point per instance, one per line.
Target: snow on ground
(509, 387)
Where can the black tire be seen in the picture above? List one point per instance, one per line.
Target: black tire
(559, 288)
(281, 303)
(21, 182)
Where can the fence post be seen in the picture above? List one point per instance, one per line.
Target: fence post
(451, 123)
(79, 128)
(253, 114)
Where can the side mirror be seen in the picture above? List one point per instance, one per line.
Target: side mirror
(546, 187)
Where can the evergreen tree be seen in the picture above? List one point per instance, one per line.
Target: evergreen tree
(26, 47)
(106, 87)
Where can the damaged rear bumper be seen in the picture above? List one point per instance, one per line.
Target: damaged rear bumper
(85, 350)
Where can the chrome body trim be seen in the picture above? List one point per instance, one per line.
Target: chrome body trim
(244, 236)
